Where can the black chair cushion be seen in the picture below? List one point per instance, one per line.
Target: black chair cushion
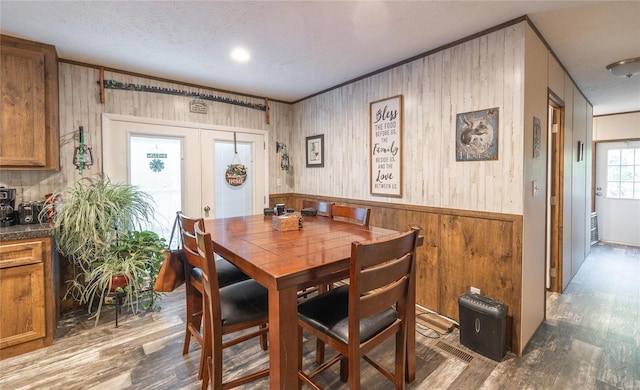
(228, 273)
(243, 301)
(329, 313)
(196, 274)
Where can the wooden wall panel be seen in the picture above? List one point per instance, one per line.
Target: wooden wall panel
(79, 98)
(556, 77)
(616, 126)
(579, 204)
(537, 60)
(481, 73)
(569, 157)
(460, 249)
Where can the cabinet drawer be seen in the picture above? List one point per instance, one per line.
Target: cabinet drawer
(22, 253)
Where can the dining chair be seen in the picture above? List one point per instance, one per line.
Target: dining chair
(351, 214)
(323, 209)
(229, 309)
(227, 274)
(355, 318)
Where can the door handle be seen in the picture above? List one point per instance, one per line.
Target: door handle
(206, 211)
(598, 193)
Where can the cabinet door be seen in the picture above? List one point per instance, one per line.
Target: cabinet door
(22, 293)
(29, 134)
(23, 128)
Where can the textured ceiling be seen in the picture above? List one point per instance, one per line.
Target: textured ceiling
(299, 48)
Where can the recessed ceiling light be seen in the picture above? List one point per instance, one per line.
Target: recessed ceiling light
(240, 55)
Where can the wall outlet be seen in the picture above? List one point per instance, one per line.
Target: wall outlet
(474, 290)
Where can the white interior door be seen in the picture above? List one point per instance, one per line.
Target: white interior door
(181, 166)
(618, 191)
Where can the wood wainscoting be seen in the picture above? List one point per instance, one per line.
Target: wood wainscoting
(461, 249)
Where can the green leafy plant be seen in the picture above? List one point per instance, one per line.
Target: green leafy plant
(146, 248)
(136, 255)
(98, 226)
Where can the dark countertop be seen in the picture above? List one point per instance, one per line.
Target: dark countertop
(19, 232)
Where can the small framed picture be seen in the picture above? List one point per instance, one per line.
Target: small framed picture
(315, 151)
(580, 151)
(537, 138)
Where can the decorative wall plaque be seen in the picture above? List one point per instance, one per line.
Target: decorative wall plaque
(385, 158)
(198, 106)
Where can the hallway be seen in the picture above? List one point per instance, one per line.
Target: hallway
(591, 337)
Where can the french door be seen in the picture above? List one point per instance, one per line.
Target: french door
(618, 191)
(183, 167)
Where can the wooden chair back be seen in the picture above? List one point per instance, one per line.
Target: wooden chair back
(323, 208)
(214, 325)
(380, 277)
(213, 317)
(351, 214)
(187, 229)
(376, 303)
(194, 289)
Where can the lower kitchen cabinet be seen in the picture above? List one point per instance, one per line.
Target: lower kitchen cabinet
(28, 295)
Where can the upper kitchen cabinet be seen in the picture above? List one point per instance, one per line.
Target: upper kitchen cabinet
(29, 105)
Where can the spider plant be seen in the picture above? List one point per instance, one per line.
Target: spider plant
(88, 222)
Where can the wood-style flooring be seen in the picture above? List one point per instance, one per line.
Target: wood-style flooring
(590, 340)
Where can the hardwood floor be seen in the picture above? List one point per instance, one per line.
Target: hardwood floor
(590, 340)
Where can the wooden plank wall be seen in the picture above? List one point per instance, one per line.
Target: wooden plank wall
(480, 73)
(79, 98)
(461, 249)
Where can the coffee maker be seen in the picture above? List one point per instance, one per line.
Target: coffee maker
(7, 206)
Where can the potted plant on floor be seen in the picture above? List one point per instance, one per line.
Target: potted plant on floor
(139, 255)
(98, 226)
(129, 270)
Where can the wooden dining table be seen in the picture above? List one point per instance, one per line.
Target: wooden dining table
(288, 261)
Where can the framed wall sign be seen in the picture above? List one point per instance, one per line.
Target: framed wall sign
(315, 151)
(385, 158)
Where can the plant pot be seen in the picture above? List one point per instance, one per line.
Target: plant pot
(118, 281)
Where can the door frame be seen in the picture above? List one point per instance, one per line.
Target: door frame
(108, 118)
(555, 202)
(594, 152)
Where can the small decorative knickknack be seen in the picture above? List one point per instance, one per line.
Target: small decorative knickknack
(236, 173)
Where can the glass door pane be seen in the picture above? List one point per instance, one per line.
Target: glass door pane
(134, 152)
(156, 168)
(232, 200)
(220, 199)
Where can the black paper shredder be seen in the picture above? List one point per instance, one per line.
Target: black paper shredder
(483, 324)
